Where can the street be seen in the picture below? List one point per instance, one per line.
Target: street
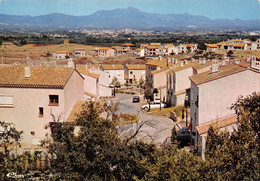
(156, 128)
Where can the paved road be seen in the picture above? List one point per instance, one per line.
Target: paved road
(158, 128)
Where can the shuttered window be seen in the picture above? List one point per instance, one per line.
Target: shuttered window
(6, 100)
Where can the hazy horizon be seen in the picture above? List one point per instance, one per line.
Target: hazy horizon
(213, 9)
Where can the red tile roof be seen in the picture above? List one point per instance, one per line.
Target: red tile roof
(41, 77)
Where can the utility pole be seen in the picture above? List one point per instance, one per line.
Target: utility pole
(160, 98)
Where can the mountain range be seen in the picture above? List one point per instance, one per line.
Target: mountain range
(129, 18)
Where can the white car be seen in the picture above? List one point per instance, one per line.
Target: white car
(153, 105)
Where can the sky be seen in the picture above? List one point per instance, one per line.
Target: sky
(214, 9)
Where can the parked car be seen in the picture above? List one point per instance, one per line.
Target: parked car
(184, 136)
(111, 85)
(136, 99)
(118, 85)
(153, 105)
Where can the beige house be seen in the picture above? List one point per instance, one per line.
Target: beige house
(214, 91)
(29, 96)
(211, 47)
(60, 55)
(96, 82)
(134, 71)
(114, 70)
(178, 82)
(7, 44)
(106, 52)
(79, 52)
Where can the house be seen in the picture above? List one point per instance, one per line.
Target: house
(178, 82)
(213, 92)
(128, 46)
(139, 52)
(134, 71)
(60, 55)
(7, 44)
(114, 70)
(152, 50)
(211, 47)
(181, 48)
(119, 50)
(191, 48)
(159, 82)
(256, 45)
(79, 52)
(154, 64)
(90, 82)
(31, 96)
(106, 52)
(96, 82)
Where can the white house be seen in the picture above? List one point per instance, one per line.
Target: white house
(114, 70)
(135, 71)
(178, 82)
(79, 52)
(60, 55)
(29, 96)
(213, 92)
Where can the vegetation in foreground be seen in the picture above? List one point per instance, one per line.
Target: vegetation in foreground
(97, 153)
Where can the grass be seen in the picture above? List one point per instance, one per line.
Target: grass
(166, 111)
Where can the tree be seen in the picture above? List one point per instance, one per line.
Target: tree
(9, 139)
(202, 46)
(115, 81)
(236, 156)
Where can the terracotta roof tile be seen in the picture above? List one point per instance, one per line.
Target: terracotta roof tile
(211, 45)
(41, 77)
(223, 72)
(158, 71)
(83, 70)
(113, 67)
(135, 66)
(219, 123)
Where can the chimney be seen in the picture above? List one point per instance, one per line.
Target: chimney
(27, 60)
(175, 61)
(113, 65)
(185, 62)
(204, 61)
(160, 58)
(182, 63)
(237, 61)
(27, 72)
(248, 58)
(172, 60)
(200, 60)
(90, 70)
(223, 62)
(214, 67)
(70, 63)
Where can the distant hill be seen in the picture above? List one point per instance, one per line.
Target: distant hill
(130, 18)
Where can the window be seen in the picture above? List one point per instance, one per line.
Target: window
(32, 133)
(40, 111)
(53, 100)
(131, 72)
(6, 100)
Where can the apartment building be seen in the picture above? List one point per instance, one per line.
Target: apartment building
(214, 91)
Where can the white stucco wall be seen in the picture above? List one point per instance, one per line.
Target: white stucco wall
(215, 97)
(116, 73)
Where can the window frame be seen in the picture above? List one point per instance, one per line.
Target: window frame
(55, 102)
